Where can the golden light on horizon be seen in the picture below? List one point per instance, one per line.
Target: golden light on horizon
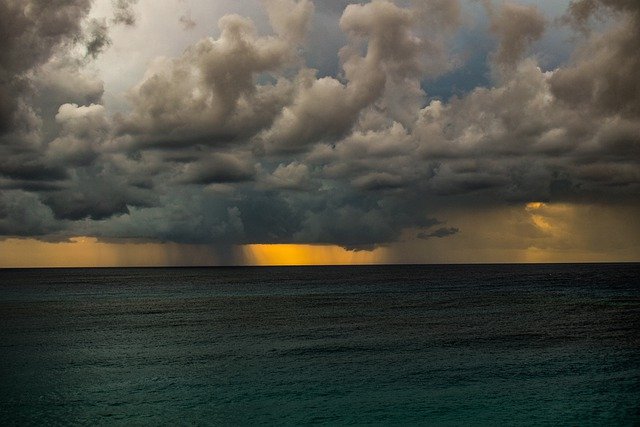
(556, 224)
(538, 220)
(528, 232)
(551, 218)
(295, 254)
(83, 251)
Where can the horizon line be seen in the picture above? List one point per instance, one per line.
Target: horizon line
(319, 265)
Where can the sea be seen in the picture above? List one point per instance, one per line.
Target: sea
(555, 344)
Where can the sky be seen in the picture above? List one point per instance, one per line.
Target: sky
(276, 132)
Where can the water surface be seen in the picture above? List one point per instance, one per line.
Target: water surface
(444, 345)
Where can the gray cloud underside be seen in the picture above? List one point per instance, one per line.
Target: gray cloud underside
(238, 141)
(439, 233)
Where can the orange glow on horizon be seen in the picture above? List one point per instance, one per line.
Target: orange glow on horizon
(90, 252)
(551, 219)
(529, 232)
(85, 251)
(294, 254)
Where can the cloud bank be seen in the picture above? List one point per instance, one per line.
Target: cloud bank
(237, 140)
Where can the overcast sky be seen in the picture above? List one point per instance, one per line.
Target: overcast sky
(415, 131)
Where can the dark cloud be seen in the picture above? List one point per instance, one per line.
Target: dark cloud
(77, 206)
(31, 169)
(62, 80)
(82, 130)
(22, 214)
(30, 185)
(237, 140)
(293, 176)
(439, 233)
(218, 168)
(604, 73)
(95, 197)
(97, 37)
(31, 31)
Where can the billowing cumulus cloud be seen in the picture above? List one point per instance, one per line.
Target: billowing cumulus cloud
(290, 19)
(238, 139)
(31, 32)
(516, 26)
(210, 94)
(603, 75)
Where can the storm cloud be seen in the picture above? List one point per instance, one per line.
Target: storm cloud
(239, 140)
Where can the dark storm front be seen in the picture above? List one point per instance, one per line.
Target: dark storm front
(516, 344)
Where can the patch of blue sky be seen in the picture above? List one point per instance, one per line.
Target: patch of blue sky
(472, 47)
(324, 43)
(474, 44)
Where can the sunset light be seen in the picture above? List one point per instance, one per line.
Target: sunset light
(309, 255)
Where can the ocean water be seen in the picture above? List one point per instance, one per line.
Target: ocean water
(437, 345)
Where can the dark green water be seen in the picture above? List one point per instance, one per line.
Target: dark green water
(438, 345)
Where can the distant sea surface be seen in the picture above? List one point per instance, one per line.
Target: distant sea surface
(443, 345)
